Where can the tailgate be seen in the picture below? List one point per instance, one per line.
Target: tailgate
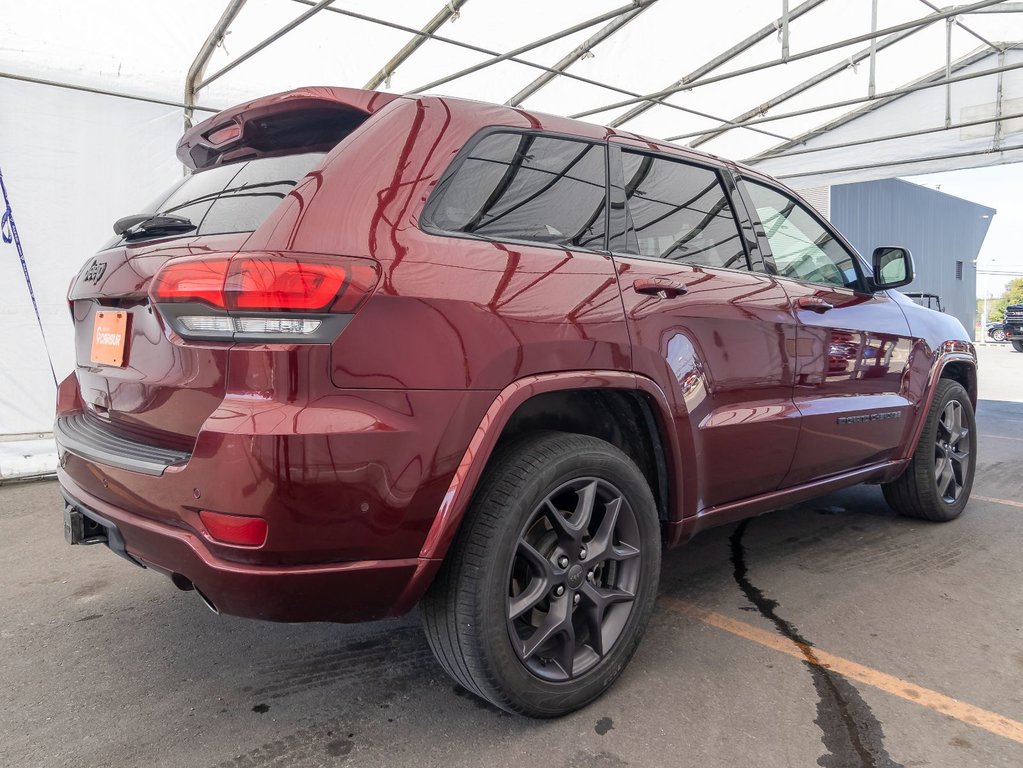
(165, 388)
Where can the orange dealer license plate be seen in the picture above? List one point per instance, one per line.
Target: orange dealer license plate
(109, 338)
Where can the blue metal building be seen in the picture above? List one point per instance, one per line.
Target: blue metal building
(943, 232)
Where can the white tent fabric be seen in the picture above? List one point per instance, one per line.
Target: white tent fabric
(972, 146)
(73, 161)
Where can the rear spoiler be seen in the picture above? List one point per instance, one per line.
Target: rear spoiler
(306, 119)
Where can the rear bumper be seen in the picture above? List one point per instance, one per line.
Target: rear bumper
(340, 592)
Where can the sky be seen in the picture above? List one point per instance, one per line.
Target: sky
(1000, 187)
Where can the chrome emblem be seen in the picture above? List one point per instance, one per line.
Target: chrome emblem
(94, 272)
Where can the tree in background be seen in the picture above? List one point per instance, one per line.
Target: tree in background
(1014, 291)
(996, 307)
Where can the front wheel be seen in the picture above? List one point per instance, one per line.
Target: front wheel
(936, 485)
(548, 587)
(998, 334)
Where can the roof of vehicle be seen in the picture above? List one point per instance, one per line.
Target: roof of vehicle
(196, 146)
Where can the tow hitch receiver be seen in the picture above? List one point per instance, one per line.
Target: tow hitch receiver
(79, 529)
(83, 526)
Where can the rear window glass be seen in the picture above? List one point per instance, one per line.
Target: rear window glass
(525, 187)
(235, 197)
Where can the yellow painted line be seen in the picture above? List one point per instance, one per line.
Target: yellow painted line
(939, 702)
(1007, 502)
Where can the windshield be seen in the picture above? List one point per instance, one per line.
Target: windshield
(231, 198)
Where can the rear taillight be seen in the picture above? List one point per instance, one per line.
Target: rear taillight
(262, 296)
(192, 280)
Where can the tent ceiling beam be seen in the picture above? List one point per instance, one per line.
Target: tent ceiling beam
(525, 62)
(906, 161)
(104, 92)
(616, 14)
(448, 12)
(301, 19)
(198, 68)
(933, 79)
(887, 95)
(888, 137)
(962, 26)
(658, 95)
(579, 52)
(712, 64)
(827, 74)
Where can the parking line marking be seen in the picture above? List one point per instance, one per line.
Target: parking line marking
(1004, 437)
(1006, 502)
(939, 702)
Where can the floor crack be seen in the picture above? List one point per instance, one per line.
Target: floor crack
(851, 733)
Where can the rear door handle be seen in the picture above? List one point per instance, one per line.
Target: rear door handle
(814, 304)
(660, 286)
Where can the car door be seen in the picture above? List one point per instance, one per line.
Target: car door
(853, 345)
(715, 335)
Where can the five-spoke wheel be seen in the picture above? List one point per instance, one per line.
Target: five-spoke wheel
(573, 579)
(544, 595)
(936, 484)
(951, 452)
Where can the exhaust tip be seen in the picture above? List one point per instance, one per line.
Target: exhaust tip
(182, 582)
(206, 601)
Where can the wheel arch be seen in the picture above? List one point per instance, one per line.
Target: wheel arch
(956, 360)
(602, 404)
(965, 373)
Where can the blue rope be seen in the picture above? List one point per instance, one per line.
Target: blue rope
(9, 233)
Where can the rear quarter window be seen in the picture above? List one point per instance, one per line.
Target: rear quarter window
(524, 187)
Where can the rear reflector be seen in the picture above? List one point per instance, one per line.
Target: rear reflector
(240, 530)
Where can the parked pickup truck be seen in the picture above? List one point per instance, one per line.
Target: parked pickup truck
(378, 351)
(1013, 326)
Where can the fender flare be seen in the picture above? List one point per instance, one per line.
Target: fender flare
(948, 352)
(459, 493)
(474, 460)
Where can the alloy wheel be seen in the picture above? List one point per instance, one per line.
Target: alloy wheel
(951, 453)
(573, 579)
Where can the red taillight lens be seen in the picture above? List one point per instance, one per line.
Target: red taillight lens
(241, 530)
(271, 282)
(192, 280)
(225, 134)
(289, 284)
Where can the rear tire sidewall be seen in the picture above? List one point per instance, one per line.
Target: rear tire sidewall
(545, 698)
(1017, 345)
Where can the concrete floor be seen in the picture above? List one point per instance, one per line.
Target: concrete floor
(103, 664)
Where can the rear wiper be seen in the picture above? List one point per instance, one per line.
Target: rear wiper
(150, 224)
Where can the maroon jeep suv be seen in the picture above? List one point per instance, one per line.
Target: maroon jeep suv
(380, 351)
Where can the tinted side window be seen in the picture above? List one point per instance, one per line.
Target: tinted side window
(680, 212)
(516, 186)
(801, 248)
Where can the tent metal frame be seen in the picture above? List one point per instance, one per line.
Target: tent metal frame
(877, 40)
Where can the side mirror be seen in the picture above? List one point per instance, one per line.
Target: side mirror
(893, 267)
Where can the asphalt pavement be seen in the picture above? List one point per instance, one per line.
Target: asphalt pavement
(830, 634)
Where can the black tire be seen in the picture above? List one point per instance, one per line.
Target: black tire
(490, 572)
(1017, 345)
(916, 493)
